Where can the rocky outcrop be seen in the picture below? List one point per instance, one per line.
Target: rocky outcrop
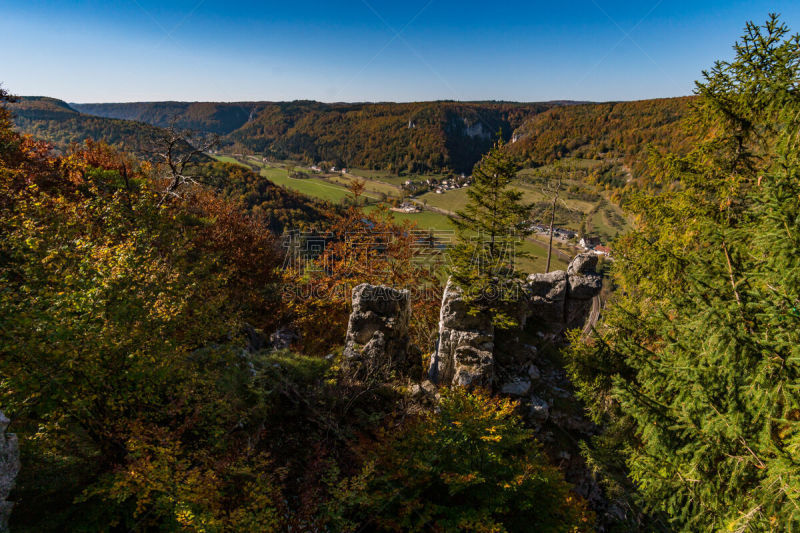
(561, 300)
(548, 297)
(9, 468)
(471, 352)
(464, 354)
(583, 285)
(377, 333)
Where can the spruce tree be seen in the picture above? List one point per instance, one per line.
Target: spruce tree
(489, 231)
(695, 372)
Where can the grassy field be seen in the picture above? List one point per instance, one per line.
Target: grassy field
(457, 199)
(333, 188)
(332, 191)
(537, 253)
(228, 159)
(601, 224)
(313, 187)
(370, 185)
(537, 259)
(602, 218)
(425, 220)
(449, 201)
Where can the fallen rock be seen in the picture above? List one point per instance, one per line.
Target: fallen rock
(377, 333)
(281, 339)
(540, 409)
(517, 387)
(426, 388)
(9, 468)
(533, 372)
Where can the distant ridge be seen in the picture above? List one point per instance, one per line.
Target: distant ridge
(414, 137)
(57, 122)
(419, 137)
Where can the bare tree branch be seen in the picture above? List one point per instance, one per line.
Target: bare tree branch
(176, 149)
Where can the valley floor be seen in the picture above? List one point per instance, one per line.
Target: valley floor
(583, 209)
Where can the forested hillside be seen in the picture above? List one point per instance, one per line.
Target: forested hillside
(414, 137)
(55, 121)
(399, 138)
(617, 133)
(214, 117)
(417, 137)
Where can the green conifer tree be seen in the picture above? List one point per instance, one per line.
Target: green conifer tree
(695, 372)
(489, 231)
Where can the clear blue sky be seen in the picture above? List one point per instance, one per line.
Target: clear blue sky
(368, 50)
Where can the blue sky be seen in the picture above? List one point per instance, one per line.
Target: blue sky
(368, 50)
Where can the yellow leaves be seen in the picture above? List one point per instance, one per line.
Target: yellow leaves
(186, 517)
(492, 438)
(454, 478)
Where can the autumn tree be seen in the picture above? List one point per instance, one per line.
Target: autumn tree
(115, 313)
(471, 465)
(177, 151)
(358, 247)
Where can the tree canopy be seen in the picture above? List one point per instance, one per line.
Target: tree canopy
(694, 371)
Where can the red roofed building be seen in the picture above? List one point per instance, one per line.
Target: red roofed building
(600, 249)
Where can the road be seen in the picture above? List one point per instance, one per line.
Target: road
(594, 316)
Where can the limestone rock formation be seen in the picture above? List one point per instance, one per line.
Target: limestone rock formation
(561, 300)
(471, 352)
(377, 333)
(9, 468)
(552, 303)
(548, 296)
(584, 284)
(464, 354)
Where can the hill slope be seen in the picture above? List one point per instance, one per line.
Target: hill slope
(414, 137)
(400, 138)
(55, 121)
(212, 117)
(617, 133)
